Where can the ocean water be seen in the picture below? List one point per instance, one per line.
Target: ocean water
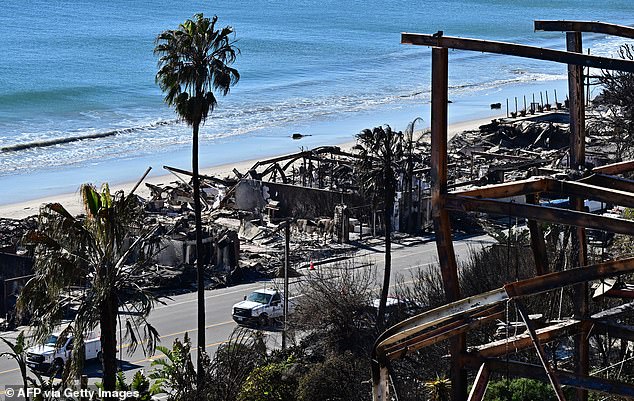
(85, 69)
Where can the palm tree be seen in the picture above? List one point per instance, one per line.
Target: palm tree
(381, 151)
(439, 389)
(82, 263)
(410, 158)
(18, 353)
(194, 62)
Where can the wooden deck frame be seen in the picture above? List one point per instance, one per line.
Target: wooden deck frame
(442, 201)
(531, 371)
(539, 213)
(482, 305)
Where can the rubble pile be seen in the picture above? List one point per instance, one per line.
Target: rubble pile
(12, 230)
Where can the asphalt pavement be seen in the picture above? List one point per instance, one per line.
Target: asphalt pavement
(178, 315)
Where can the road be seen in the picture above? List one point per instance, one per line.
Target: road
(178, 315)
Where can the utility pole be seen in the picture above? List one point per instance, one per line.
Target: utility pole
(287, 235)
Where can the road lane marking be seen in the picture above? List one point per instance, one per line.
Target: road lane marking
(421, 265)
(155, 357)
(168, 305)
(9, 371)
(181, 332)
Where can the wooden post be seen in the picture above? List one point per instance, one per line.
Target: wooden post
(480, 384)
(577, 109)
(537, 240)
(83, 384)
(577, 160)
(442, 227)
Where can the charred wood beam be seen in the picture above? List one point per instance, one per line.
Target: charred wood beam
(516, 188)
(423, 321)
(615, 168)
(444, 332)
(512, 49)
(335, 150)
(564, 278)
(441, 334)
(617, 310)
(613, 329)
(554, 380)
(589, 191)
(540, 213)
(488, 155)
(523, 341)
(520, 369)
(626, 292)
(609, 181)
(480, 384)
(585, 26)
(271, 169)
(216, 180)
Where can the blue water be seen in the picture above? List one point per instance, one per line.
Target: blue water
(323, 68)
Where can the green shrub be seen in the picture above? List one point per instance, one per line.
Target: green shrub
(339, 378)
(519, 390)
(272, 382)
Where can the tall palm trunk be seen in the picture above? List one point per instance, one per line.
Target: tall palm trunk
(388, 202)
(199, 258)
(387, 217)
(108, 325)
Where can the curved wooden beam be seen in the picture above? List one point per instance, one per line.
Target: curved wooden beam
(585, 26)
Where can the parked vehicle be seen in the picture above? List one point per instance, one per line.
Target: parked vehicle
(259, 307)
(53, 354)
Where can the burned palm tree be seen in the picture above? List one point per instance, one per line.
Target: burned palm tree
(381, 151)
(195, 62)
(82, 263)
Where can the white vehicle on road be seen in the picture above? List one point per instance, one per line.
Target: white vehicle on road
(260, 307)
(53, 354)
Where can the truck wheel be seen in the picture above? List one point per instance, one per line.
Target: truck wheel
(263, 320)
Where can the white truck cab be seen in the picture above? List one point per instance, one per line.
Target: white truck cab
(56, 350)
(259, 307)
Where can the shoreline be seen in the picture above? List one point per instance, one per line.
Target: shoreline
(71, 201)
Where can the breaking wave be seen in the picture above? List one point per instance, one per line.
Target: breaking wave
(77, 138)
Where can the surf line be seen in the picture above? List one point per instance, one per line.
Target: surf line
(59, 141)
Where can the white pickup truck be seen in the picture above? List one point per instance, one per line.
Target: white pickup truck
(53, 354)
(260, 307)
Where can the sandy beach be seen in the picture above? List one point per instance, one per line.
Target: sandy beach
(72, 202)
